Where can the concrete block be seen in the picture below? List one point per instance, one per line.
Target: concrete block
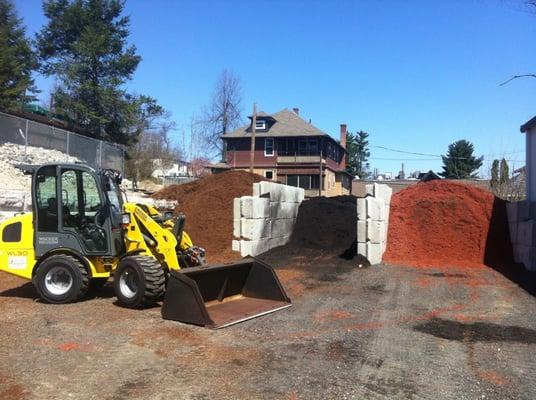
(253, 247)
(276, 242)
(362, 208)
(362, 231)
(362, 248)
(255, 229)
(375, 208)
(257, 189)
(283, 210)
(383, 192)
(236, 208)
(526, 232)
(513, 232)
(373, 251)
(369, 189)
(375, 231)
(518, 211)
(279, 192)
(254, 207)
(237, 227)
(236, 245)
(525, 255)
(379, 191)
(282, 227)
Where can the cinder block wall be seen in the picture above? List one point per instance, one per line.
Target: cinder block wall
(373, 222)
(522, 224)
(266, 219)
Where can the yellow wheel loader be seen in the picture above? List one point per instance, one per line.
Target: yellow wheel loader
(80, 232)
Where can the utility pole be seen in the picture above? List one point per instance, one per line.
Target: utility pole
(320, 170)
(252, 151)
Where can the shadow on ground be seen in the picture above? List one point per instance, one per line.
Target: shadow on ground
(476, 331)
(499, 254)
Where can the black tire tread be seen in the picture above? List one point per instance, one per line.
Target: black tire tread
(154, 278)
(84, 284)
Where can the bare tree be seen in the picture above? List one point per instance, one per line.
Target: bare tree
(154, 150)
(531, 8)
(224, 113)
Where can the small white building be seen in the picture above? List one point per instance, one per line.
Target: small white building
(529, 128)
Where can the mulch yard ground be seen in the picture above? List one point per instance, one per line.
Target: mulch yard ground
(381, 332)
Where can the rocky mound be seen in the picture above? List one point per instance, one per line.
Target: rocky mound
(208, 206)
(443, 223)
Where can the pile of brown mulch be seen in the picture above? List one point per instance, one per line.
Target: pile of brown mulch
(208, 206)
(443, 223)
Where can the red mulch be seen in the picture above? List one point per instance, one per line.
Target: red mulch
(442, 223)
(208, 206)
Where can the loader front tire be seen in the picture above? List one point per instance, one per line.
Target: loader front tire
(139, 281)
(61, 279)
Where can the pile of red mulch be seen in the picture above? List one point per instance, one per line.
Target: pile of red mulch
(443, 223)
(208, 206)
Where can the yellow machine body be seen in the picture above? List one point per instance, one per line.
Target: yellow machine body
(17, 257)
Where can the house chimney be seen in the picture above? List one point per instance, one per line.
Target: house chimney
(343, 144)
(296, 110)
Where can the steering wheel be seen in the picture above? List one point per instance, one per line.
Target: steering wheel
(97, 217)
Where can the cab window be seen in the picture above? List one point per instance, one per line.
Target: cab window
(82, 208)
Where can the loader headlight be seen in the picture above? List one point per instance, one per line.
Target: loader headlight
(125, 219)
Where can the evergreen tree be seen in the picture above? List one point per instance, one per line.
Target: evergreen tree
(358, 154)
(494, 183)
(460, 163)
(504, 174)
(17, 60)
(84, 44)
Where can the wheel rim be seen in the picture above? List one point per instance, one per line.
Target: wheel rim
(128, 283)
(58, 280)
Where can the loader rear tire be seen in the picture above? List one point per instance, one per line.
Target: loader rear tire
(61, 279)
(139, 281)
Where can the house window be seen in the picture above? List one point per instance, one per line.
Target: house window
(269, 174)
(268, 147)
(308, 147)
(306, 182)
(260, 124)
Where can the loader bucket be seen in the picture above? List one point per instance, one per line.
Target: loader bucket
(217, 296)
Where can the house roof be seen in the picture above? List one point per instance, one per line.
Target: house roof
(287, 123)
(527, 126)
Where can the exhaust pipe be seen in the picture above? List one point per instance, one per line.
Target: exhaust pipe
(217, 296)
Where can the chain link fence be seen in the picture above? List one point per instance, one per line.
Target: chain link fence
(94, 152)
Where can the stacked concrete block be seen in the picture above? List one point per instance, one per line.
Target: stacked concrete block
(266, 219)
(373, 222)
(522, 227)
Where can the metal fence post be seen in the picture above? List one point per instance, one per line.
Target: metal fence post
(100, 153)
(68, 136)
(26, 140)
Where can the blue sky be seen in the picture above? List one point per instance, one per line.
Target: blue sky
(416, 75)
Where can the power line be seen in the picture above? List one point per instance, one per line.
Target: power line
(438, 155)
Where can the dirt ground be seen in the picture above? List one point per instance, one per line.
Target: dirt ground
(381, 332)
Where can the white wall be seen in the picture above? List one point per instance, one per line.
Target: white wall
(266, 219)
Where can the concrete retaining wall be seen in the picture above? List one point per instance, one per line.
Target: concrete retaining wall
(522, 224)
(373, 222)
(266, 219)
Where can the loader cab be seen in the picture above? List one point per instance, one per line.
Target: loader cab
(78, 208)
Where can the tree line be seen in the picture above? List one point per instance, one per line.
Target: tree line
(84, 46)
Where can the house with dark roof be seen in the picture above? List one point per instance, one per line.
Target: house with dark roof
(291, 151)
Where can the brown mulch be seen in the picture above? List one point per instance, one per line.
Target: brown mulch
(208, 206)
